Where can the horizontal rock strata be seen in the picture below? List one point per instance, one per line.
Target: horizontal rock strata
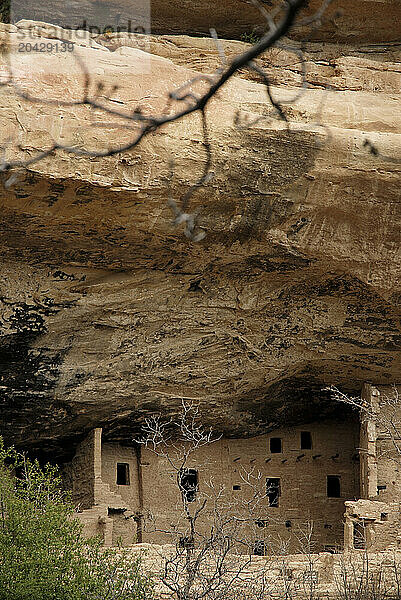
(110, 314)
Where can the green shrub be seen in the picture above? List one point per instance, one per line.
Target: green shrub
(43, 555)
(250, 38)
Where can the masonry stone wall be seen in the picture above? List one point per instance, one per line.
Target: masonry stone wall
(376, 517)
(355, 574)
(367, 445)
(388, 443)
(112, 454)
(303, 501)
(80, 474)
(103, 507)
(124, 530)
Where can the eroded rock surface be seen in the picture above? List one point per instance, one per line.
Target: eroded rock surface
(355, 22)
(110, 314)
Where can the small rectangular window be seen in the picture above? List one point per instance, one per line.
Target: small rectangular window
(188, 483)
(333, 486)
(122, 474)
(273, 490)
(306, 440)
(275, 445)
(261, 523)
(259, 548)
(236, 487)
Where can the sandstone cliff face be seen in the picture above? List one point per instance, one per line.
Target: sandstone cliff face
(110, 314)
(356, 22)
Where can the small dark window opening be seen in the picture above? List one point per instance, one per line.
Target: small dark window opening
(275, 445)
(186, 542)
(288, 524)
(115, 511)
(236, 487)
(122, 474)
(261, 523)
(273, 490)
(188, 483)
(259, 548)
(384, 517)
(306, 440)
(333, 486)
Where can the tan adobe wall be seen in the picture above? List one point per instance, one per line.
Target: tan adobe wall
(377, 515)
(371, 525)
(107, 507)
(302, 473)
(388, 444)
(124, 530)
(113, 454)
(381, 444)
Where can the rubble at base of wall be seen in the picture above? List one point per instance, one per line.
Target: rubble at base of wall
(324, 575)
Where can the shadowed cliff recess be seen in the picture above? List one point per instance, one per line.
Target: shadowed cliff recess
(109, 313)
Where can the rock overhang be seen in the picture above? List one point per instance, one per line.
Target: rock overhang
(111, 315)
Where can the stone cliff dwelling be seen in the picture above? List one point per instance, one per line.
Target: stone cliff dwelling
(342, 477)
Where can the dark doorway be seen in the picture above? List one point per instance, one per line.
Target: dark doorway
(259, 548)
(306, 440)
(122, 474)
(273, 490)
(188, 483)
(275, 445)
(333, 486)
